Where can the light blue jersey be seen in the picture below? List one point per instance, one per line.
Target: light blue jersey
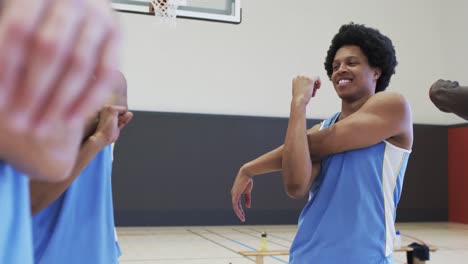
(15, 217)
(351, 211)
(79, 226)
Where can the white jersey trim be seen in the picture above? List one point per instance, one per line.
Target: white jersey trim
(393, 160)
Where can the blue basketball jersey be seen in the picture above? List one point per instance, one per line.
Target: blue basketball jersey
(351, 211)
(78, 227)
(15, 217)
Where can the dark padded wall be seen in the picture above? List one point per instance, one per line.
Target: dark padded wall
(177, 169)
(425, 190)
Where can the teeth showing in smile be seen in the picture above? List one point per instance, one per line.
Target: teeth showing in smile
(344, 81)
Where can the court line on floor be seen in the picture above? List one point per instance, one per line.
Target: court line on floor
(268, 235)
(219, 244)
(168, 259)
(244, 245)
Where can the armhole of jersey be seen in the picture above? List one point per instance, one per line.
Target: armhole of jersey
(112, 151)
(322, 125)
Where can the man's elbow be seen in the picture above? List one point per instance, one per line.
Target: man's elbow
(295, 182)
(296, 190)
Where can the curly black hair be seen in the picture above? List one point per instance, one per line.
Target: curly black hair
(377, 47)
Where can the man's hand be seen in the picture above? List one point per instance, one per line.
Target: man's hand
(439, 88)
(443, 84)
(49, 52)
(124, 119)
(242, 186)
(58, 64)
(111, 120)
(304, 88)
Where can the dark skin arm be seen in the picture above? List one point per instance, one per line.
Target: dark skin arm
(298, 168)
(268, 162)
(450, 97)
(386, 116)
(101, 129)
(111, 120)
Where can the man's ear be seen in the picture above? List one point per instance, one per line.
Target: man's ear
(377, 73)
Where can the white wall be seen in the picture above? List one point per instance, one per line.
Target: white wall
(455, 44)
(246, 69)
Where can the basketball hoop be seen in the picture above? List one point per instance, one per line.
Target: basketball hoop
(166, 10)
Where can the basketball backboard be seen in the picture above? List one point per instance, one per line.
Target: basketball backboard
(228, 11)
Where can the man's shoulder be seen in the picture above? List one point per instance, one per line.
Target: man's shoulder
(392, 101)
(389, 96)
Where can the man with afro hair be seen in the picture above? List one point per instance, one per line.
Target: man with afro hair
(352, 164)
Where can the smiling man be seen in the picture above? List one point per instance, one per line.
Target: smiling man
(351, 165)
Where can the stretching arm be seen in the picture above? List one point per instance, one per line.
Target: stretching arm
(384, 116)
(111, 120)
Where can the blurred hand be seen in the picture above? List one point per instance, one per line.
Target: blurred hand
(58, 60)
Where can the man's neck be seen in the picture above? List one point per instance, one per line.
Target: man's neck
(348, 107)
